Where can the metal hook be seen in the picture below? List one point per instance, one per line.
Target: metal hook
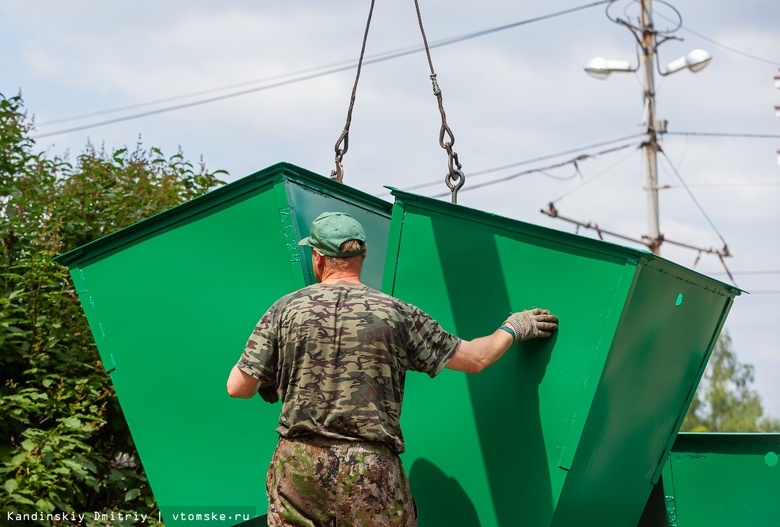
(455, 180)
(338, 173)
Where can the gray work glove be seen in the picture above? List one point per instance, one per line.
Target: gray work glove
(530, 324)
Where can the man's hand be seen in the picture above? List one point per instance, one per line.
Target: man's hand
(530, 324)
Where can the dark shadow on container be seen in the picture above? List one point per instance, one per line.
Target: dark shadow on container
(505, 397)
(441, 500)
(654, 514)
(260, 521)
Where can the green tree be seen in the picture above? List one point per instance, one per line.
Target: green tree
(64, 444)
(725, 401)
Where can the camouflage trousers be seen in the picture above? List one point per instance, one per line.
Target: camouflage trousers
(325, 482)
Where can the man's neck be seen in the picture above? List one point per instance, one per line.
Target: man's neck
(339, 277)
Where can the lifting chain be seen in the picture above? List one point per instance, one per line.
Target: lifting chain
(455, 177)
(342, 145)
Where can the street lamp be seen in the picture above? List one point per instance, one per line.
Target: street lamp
(695, 61)
(601, 68)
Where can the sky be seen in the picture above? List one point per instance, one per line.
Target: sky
(516, 98)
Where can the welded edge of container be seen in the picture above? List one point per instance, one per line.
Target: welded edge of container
(215, 198)
(547, 234)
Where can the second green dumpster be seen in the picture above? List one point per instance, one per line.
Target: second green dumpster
(568, 431)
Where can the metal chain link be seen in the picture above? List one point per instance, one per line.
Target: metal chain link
(455, 177)
(338, 173)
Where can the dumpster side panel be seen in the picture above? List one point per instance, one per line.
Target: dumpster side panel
(488, 448)
(176, 311)
(95, 326)
(664, 340)
(724, 479)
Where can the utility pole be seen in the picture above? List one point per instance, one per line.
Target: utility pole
(647, 59)
(647, 38)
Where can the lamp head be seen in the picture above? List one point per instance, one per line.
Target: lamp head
(600, 68)
(696, 60)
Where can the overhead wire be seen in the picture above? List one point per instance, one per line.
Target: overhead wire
(543, 170)
(316, 74)
(593, 178)
(725, 134)
(721, 45)
(349, 63)
(527, 161)
(717, 185)
(746, 272)
(693, 198)
(550, 156)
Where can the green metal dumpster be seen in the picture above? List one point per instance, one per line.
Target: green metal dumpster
(171, 301)
(571, 431)
(723, 479)
(568, 431)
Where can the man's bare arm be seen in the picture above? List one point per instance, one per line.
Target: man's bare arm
(240, 384)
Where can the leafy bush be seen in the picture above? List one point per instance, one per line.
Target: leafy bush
(64, 444)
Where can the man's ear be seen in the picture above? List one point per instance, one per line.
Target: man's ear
(319, 258)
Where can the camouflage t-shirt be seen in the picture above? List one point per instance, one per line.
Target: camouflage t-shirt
(337, 356)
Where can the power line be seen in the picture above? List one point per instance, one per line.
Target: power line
(693, 198)
(719, 134)
(118, 109)
(527, 162)
(715, 185)
(580, 149)
(193, 103)
(733, 50)
(550, 156)
(308, 76)
(351, 63)
(592, 178)
(724, 46)
(543, 170)
(747, 272)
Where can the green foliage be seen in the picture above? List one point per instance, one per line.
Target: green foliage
(64, 444)
(725, 401)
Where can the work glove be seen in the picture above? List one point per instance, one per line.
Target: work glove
(531, 324)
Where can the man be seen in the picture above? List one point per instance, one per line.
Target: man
(336, 354)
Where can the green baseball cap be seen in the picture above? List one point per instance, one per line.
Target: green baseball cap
(330, 229)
